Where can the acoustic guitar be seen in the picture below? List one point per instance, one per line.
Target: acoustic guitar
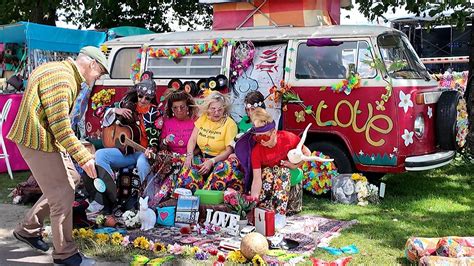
(113, 137)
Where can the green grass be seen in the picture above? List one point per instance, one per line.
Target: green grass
(427, 204)
(6, 184)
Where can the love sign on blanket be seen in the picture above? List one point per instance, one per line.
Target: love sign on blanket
(227, 221)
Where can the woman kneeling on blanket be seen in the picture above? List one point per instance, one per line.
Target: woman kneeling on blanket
(214, 133)
(271, 168)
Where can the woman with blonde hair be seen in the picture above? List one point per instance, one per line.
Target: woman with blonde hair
(213, 133)
(270, 165)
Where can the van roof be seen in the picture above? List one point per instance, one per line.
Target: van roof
(267, 34)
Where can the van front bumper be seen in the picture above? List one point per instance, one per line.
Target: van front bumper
(429, 161)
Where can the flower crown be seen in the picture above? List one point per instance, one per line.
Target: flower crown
(255, 105)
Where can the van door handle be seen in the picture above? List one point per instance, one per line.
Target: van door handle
(295, 101)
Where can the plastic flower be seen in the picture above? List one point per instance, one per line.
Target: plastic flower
(236, 256)
(175, 249)
(86, 233)
(141, 242)
(257, 260)
(75, 233)
(201, 255)
(126, 241)
(116, 238)
(159, 247)
(358, 177)
(102, 238)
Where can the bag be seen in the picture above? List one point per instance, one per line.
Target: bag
(265, 221)
(16, 81)
(165, 215)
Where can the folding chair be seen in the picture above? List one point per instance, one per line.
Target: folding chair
(4, 154)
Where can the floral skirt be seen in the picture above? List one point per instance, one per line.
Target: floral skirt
(226, 174)
(275, 189)
(164, 186)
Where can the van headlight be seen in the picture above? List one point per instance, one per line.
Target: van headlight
(419, 125)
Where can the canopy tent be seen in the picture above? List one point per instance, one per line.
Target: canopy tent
(49, 38)
(125, 31)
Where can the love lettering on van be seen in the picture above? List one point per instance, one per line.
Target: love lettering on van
(368, 126)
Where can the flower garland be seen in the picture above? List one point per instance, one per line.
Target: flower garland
(102, 98)
(462, 123)
(347, 85)
(210, 48)
(318, 175)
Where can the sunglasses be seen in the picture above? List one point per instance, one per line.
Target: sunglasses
(263, 137)
(146, 97)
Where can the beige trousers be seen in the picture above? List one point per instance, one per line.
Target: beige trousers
(57, 178)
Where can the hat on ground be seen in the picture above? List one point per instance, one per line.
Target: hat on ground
(96, 54)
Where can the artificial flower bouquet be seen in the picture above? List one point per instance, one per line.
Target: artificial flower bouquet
(240, 204)
(365, 192)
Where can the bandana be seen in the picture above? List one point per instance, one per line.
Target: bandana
(243, 151)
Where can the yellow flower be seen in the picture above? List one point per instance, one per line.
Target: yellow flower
(75, 233)
(86, 233)
(142, 243)
(102, 238)
(159, 247)
(116, 238)
(358, 177)
(236, 256)
(257, 260)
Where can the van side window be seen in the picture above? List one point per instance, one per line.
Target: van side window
(332, 62)
(191, 66)
(124, 58)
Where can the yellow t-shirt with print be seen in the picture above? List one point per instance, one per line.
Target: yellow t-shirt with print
(214, 137)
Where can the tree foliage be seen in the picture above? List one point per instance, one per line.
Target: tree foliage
(158, 16)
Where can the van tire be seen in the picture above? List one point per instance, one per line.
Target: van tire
(335, 151)
(446, 116)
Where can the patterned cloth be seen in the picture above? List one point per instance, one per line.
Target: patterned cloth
(418, 248)
(225, 174)
(275, 189)
(295, 199)
(80, 105)
(164, 187)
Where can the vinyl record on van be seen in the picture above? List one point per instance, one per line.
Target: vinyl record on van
(191, 88)
(222, 82)
(202, 84)
(213, 85)
(175, 84)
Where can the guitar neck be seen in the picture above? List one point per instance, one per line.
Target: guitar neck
(134, 145)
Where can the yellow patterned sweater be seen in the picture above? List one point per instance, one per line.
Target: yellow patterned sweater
(43, 122)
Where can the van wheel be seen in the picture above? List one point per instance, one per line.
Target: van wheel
(451, 121)
(335, 151)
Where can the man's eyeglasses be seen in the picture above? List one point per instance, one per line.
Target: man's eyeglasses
(262, 137)
(146, 97)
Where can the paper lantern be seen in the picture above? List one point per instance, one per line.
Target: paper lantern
(253, 244)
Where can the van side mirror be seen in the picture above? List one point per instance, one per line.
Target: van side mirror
(351, 70)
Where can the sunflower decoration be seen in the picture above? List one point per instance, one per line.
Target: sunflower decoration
(236, 256)
(86, 233)
(116, 239)
(358, 177)
(159, 247)
(101, 238)
(257, 260)
(142, 243)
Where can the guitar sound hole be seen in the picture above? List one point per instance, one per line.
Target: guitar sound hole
(122, 139)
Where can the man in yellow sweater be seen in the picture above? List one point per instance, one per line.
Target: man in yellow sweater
(43, 133)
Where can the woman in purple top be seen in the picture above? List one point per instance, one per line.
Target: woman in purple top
(176, 131)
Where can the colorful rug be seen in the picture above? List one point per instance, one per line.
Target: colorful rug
(307, 230)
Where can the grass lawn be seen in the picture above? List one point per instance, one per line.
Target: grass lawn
(426, 204)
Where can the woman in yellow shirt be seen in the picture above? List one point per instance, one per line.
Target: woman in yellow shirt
(214, 133)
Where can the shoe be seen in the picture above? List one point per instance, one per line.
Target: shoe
(95, 207)
(75, 260)
(34, 242)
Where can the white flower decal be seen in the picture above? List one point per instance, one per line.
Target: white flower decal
(430, 112)
(408, 137)
(361, 153)
(405, 101)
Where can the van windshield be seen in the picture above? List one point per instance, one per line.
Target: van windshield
(399, 57)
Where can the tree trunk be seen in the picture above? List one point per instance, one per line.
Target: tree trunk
(469, 94)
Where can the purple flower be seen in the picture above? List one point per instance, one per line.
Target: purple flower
(201, 256)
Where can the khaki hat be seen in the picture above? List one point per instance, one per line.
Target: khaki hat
(96, 54)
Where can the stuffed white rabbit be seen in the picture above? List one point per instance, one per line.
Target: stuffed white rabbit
(147, 216)
(296, 155)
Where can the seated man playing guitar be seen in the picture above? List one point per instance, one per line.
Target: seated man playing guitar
(138, 125)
